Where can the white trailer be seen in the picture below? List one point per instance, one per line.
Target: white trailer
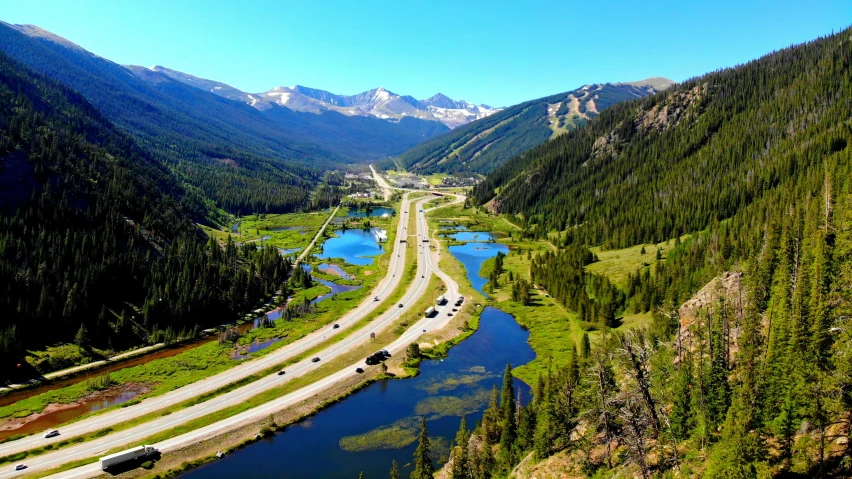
(441, 299)
(430, 311)
(128, 455)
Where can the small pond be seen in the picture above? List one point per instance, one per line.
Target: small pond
(466, 236)
(472, 255)
(353, 246)
(371, 212)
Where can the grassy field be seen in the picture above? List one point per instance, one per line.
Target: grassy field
(553, 329)
(617, 264)
(288, 231)
(435, 179)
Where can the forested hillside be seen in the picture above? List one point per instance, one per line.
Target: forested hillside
(750, 378)
(483, 145)
(243, 159)
(97, 238)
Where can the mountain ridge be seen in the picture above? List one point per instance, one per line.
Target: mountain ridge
(483, 145)
(378, 102)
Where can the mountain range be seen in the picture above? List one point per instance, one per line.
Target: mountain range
(378, 102)
(241, 158)
(483, 145)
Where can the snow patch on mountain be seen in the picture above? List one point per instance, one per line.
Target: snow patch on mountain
(378, 102)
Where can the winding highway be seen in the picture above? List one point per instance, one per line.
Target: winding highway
(426, 265)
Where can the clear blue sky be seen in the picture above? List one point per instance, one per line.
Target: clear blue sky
(494, 52)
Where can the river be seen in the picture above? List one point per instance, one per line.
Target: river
(379, 424)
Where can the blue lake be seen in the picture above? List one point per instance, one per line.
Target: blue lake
(321, 446)
(371, 212)
(473, 236)
(472, 255)
(353, 246)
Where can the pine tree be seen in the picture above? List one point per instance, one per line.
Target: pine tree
(461, 463)
(682, 416)
(81, 339)
(394, 472)
(423, 468)
(508, 434)
(586, 345)
(491, 418)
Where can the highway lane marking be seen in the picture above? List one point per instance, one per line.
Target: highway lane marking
(237, 373)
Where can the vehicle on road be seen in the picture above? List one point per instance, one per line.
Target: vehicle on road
(315, 359)
(52, 433)
(430, 311)
(128, 455)
(377, 357)
(359, 370)
(335, 326)
(375, 298)
(449, 314)
(20, 467)
(454, 310)
(400, 305)
(441, 299)
(281, 373)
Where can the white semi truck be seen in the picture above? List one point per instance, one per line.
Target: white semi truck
(441, 299)
(430, 312)
(128, 455)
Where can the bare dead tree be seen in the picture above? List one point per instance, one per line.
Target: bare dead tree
(635, 349)
(636, 424)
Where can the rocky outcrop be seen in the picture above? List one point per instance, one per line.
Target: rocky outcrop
(670, 112)
(723, 294)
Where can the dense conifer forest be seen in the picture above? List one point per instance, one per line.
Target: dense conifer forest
(97, 240)
(753, 378)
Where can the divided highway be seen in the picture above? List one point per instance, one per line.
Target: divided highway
(388, 284)
(426, 266)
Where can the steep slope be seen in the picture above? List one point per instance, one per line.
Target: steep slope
(485, 144)
(744, 369)
(376, 103)
(692, 154)
(219, 88)
(93, 238)
(224, 148)
(350, 137)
